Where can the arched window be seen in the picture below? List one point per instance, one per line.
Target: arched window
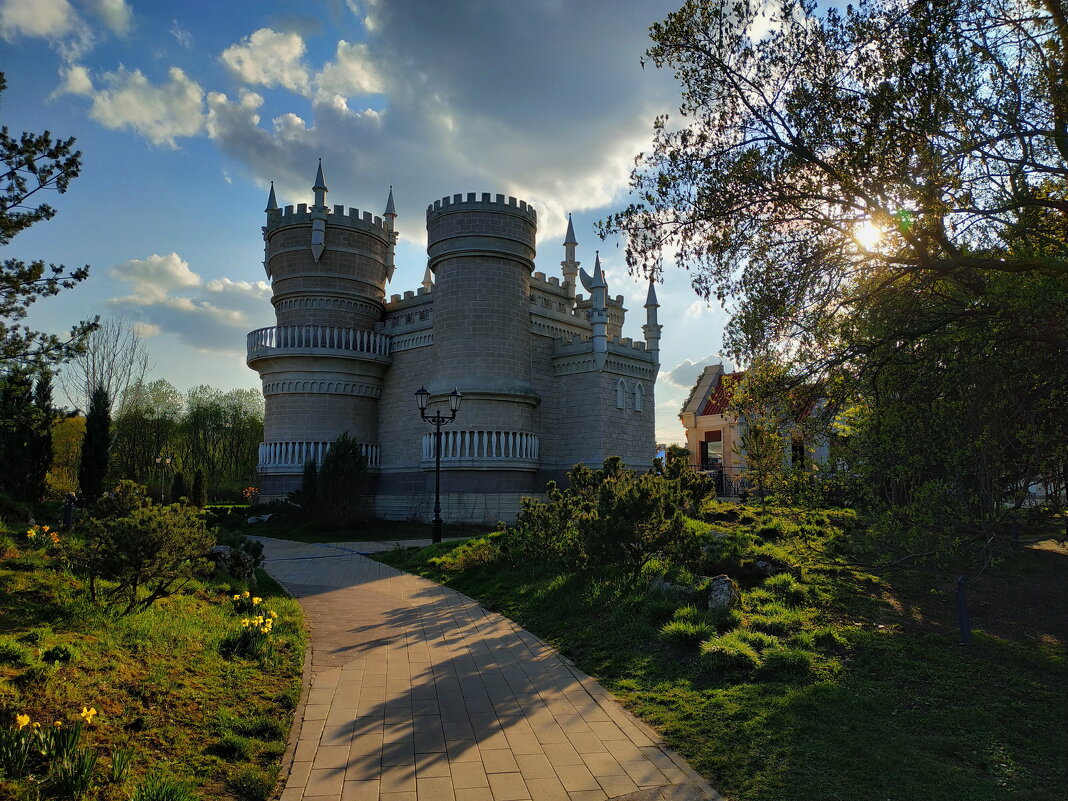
(621, 395)
(639, 397)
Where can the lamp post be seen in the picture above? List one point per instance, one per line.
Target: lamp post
(162, 463)
(422, 400)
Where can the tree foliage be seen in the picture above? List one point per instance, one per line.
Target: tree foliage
(113, 355)
(344, 483)
(26, 418)
(881, 192)
(31, 164)
(96, 447)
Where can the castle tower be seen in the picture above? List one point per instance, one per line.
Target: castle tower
(321, 365)
(569, 264)
(481, 251)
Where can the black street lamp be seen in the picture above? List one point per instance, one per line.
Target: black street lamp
(162, 463)
(422, 399)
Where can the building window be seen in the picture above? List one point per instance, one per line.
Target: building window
(621, 395)
(639, 397)
(711, 450)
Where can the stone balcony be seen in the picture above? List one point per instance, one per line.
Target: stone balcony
(317, 340)
(289, 457)
(482, 450)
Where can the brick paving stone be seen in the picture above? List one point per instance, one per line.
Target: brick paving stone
(417, 693)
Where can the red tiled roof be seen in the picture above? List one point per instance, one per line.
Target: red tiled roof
(721, 395)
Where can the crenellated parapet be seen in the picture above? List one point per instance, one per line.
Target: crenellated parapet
(338, 217)
(485, 225)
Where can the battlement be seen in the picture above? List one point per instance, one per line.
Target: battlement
(486, 202)
(339, 216)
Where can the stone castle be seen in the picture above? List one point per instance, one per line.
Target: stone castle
(546, 376)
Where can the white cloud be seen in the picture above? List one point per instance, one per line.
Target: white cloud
(351, 73)
(269, 58)
(146, 330)
(685, 373)
(115, 14)
(46, 18)
(154, 278)
(181, 35)
(159, 113)
(76, 81)
(697, 308)
(215, 318)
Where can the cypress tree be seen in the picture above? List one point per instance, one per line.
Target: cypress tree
(178, 490)
(200, 492)
(309, 486)
(17, 430)
(39, 444)
(96, 446)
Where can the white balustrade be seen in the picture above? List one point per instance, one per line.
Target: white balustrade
(292, 456)
(317, 337)
(483, 446)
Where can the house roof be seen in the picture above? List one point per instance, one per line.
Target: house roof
(721, 395)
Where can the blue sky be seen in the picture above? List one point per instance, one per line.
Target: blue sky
(186, 111)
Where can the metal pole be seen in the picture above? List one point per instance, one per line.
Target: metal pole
(437, 478)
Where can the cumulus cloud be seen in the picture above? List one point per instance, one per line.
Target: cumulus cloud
(114, 13)
(685, 373)
(170, 298)
(75, 81)
(45, 18)
(351, 73)
(160, 113)
(154, 278)
(146, 330)
(270, 58)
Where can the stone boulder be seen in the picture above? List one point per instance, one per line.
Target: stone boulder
(723, 594)
(661, 585)
(235, 561)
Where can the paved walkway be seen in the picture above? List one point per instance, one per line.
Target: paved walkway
(416, 693)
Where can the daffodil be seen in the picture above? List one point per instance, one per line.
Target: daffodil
(273, 614)
(22, 721)
(57, 724)
(257, 601)
(31, 534)
(44, 529)
(88, 714)
(245, 594)
(236, 598)
(36, 725)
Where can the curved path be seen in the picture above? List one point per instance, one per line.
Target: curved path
(414, 692)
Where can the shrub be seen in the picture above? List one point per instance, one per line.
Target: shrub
(120, 502)
(148, 554)
(474, 553)
(200, 490)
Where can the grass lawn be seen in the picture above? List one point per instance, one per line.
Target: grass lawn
(159, 680)
(288, 528)
(869, 696)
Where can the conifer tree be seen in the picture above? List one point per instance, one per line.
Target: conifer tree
(96, 446)
(178, 487)
(200, 492)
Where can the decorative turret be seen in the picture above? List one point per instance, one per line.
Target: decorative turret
(272, 205)
(569, 265)
(272, 202)
(318, 215)
(598, 289)
(428, 279)
(389, 217)
(652, 328)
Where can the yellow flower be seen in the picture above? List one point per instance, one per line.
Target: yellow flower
(88, 714)
(274, 615)
(236, 598)
(265, 630)
(245, 594)
(57, 724)
(36, 725)
(32, 533)
(257, 601)
(22, 721)
(55, 538)
(44, 529)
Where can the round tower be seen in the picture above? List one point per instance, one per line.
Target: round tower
(322, 364)
(481, 251)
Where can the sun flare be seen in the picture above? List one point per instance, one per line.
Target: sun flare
(868, 235)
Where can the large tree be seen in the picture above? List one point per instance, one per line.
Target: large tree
(113, 355)
(878, 193)
(30, 166)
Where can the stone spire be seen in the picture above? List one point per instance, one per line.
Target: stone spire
(272, 202)
(320, 187)
(569, 265)
(598, 288)
(318, 214)
(389, 217)
(272, 205)
(652, 328)
(428, 279)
